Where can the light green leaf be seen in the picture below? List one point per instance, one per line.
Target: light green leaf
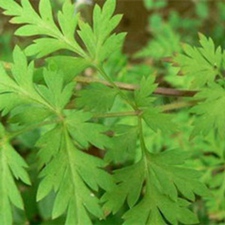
(44, 24)
(28, 114)
(98, 40)
(45, 10)
(48, 148)
(142, 95)
(165, 43)
(210, 111)
(203, 64)
(70, 66)
(18, 88)
(124, 144)
(44, 46)
(55, 93)
(97, 98)
(73, 182)
(12, 166)
(88, 38)
(85, 132)
(157, 120)
(111, 45)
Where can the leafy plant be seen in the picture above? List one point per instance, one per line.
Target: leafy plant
(98, 144)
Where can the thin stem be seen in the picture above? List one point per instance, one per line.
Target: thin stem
(177, 105)
(128, 87)
(164, 108)
(117, 114)
(133, 87)
(122, 86)
(111, 82)
(174, 92)
(141, 136)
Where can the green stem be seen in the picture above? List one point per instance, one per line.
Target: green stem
(177, 105)
(141, 135)
(122, 95)
(132, 87)
(118, 114)
(128, 87)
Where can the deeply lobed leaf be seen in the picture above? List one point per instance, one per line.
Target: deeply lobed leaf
(203, 63)
(84, 132)
(159, 177)
(74, 183)
(12, 166)
(19, 88)
(211, 111)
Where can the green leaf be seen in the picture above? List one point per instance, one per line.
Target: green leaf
(142, 95)
(111, 45)
(150, 209)
(210, 111)
(29, 114)
(160, 178)
(130, 181)
(165, 43)
(124, 143)
(70, 66)
(73, 182)
(44, 46)
(98, 41)
(157, 120)
(44, 24)
(85, 132)
(55, 93)
(18, 89)
(48, 148)
(153, 116)
(22, 75)
(203, 63)
(97, 98)
(12, 165)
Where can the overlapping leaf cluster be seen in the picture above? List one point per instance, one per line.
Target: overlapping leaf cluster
(64, 168)
(30, 105)
(98, 41)
(12, 165)
(205, 65)
(152, 188)
(157, 187)
(212, 159)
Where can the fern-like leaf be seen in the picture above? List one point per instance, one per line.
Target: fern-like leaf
(61, 37)
(97, 40)
(210, 111)
(19, 89)
(12, 166)
(203, 63)
(160, 177)
(75, 184)
(151, 114)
